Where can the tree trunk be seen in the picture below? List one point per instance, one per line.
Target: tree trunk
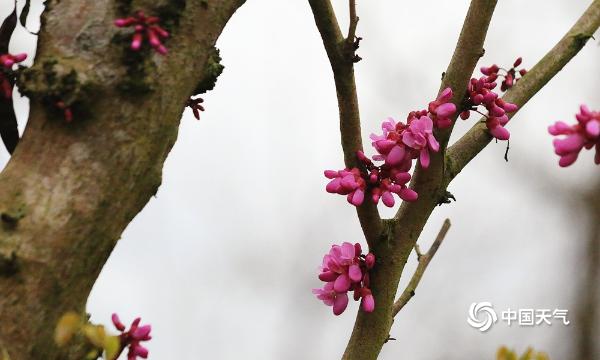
(70, 189)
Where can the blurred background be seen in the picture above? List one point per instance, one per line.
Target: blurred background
(222, 261)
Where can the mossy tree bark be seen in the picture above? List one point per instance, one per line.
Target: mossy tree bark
(70, 189)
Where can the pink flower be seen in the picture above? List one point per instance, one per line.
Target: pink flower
(419, 136)
(7, 76)
(397, 146)
(132, 337)
(347, 182)
(481, 94)
(584, 134)
(145, 26)
(441, 109)
(8, 60)
(345, 268)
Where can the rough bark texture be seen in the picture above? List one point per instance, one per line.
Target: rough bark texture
(70, 189)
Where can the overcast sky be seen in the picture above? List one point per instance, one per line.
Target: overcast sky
(222, 266)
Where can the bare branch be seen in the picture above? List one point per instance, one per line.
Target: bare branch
(353, 23)
(469, 49)
(343, 73)
(424, 260)
(465, 149)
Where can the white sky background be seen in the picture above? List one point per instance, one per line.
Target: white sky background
(222, 261)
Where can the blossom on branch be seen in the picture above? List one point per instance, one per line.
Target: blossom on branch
(397, 147)
(584, 134)
(145, 26)
(480, 92)
(345, 268)
(6, 73)
(132, 337)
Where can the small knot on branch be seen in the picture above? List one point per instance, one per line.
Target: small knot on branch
(8, 264)
(446, 198)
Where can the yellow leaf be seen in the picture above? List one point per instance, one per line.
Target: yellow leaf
(67, 326)
(95, 334)
(112, 345)
(5, 355)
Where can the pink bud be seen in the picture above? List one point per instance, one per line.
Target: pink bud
(388, 199)
(20, 57)
(152, 38)
(358, 196)
(328, 276)
(568, 159)
(136, 42)
(518, 62)
(368, 303)
(355, 273)
(117, 322)
(142, 332)
(340, 303)
(593, 128)
(408, 194)
(445, 95)
(331, 174)
(162, 50)
(500, 133)
(446, 110)
(370, 260)
(357, 249)
(140, 351)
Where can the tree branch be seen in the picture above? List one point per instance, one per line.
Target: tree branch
(400, 234)
(353, 23)
(70, 189)
(343, 73)
(424, 260)
(469, 49)
(476, 139)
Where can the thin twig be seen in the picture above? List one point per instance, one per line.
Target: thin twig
(343, 73)
(476, 139)
(353, 23)
(424, 260)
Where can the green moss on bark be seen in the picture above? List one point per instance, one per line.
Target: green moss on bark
(212, 71)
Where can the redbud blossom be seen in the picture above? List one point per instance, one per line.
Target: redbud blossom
(345, 268)
(145, 26)
(67, 112)
(481, 93)
(6, 74)
(584, 134)
(133, 337)
(396, 147)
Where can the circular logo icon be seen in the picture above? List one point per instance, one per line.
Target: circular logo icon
(482, 316)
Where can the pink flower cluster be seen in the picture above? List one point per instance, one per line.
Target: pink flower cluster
(584, 134)
(397, 147)
(345, 268)
(510, 76)
(7, 61)
(132, 337)
(147, 25)
(481, 93)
